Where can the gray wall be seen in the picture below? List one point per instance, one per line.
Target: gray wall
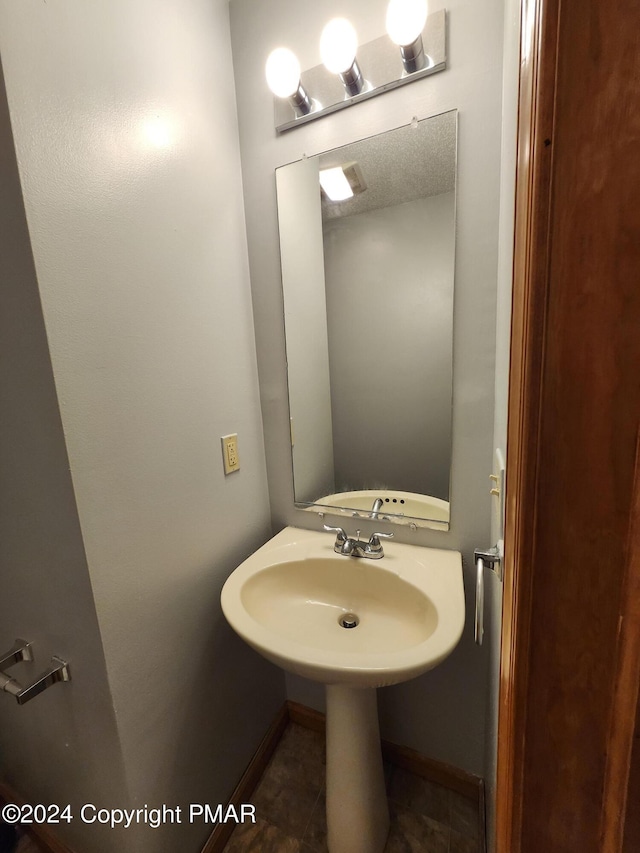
(63, 747)
(442, 713)
(389, 282)
(125, 129)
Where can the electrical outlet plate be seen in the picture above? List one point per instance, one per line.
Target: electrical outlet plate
(230, 454)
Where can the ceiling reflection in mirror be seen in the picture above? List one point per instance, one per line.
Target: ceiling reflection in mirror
(368, 303)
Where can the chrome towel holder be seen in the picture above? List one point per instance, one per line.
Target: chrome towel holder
(22, 651)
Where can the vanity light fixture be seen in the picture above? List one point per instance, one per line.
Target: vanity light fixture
(338, 47)
(340, 81)
(405, 22)
(283, 78)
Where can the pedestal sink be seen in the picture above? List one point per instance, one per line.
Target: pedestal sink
(353, 624)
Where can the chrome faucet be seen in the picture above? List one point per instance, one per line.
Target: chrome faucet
(375, 509)
(356, 547)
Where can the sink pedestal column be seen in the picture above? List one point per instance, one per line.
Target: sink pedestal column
(357, 810)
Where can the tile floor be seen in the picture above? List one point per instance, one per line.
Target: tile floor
(290, 807)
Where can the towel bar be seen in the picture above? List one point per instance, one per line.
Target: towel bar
(22, 651)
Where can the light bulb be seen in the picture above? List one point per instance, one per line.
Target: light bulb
(406, 20)
(338, 45)
(283, 72)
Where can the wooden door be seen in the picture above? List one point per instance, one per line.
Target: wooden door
(571, 631)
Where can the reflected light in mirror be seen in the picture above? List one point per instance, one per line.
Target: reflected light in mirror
(406, 20)
(338, 46)
(335, 184)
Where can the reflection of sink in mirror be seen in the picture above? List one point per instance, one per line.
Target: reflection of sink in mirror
(423, 509)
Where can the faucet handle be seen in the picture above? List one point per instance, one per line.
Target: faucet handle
(341, 537)
(374, 541)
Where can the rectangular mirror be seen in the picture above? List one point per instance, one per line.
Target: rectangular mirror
(368, 302)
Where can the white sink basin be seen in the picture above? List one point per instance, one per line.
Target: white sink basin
(286, 601)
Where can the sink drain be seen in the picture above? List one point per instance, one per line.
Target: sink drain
(348, 620)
